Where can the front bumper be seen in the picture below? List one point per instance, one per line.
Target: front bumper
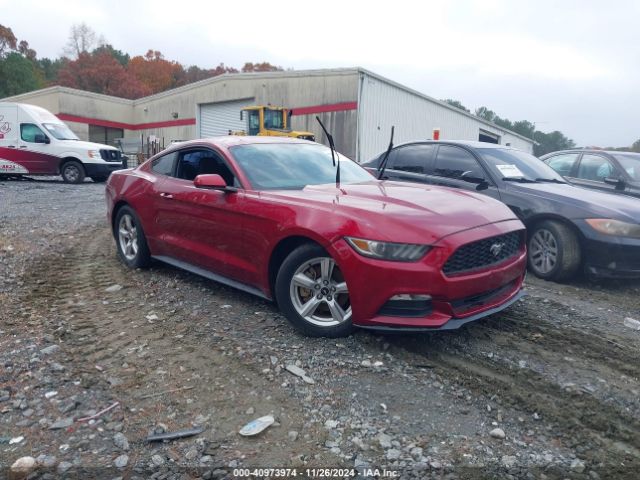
(609, 256)
(455, 300)
(103, 169)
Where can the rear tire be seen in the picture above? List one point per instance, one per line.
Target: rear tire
(72, 171)
(130, 239)
(553, 251)
(312, 293)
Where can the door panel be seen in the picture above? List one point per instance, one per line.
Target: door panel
(37, 157)
(593, 169)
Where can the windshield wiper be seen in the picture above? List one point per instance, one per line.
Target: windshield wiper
(552, 180)
(334, 154)
(383, 162)
(518, 179)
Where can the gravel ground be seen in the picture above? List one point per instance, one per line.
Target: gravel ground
(547, 389)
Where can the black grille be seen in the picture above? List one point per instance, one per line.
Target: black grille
(483, 253)
(111, 155)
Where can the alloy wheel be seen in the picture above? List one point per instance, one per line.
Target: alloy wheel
(543, 251)
(319, 293)
(128, 237)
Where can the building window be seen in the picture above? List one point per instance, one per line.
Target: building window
(488, 137)
(105, 135)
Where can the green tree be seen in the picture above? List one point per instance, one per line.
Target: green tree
(524, 128)
(18, 74)
(484, 112)
(551, 142)
(119, 55)
(50, 68)
(457, 104)
(635, 147)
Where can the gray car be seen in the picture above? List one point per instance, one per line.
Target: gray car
(608, 171)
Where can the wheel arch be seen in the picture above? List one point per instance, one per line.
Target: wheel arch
(280, 252)
(531, 222)
(69, 158)
(116, 208)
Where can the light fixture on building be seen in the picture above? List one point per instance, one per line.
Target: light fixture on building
(174, 114)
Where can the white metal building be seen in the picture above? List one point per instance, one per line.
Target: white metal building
(358, 106)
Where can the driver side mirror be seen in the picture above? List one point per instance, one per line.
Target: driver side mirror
(212, 181)
(41, 138)
(468, 176)
(616, 182)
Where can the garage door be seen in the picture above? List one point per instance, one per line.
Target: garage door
(219, 118)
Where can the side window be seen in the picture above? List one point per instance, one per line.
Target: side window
(595, 167)
(563, 163)
(452, 162)
(192, 163)
(254, 121)
(28, 132)
(412, 158)
(164, 165)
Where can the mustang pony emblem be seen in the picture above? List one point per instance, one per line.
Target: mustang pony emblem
(496, 248)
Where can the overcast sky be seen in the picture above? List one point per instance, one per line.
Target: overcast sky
(567, 65)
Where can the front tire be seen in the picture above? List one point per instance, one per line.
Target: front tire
(72, 171)
(130, 239)
(553, 251)
(312, 293)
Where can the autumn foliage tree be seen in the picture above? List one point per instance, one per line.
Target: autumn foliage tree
(154, 71)
(100, 72)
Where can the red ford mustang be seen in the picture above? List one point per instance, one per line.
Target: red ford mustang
(264, 215)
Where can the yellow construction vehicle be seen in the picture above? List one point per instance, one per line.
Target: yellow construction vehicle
(270, 121)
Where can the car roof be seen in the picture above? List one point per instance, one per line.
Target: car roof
(595, 150)
(233, 140)
(466, 143)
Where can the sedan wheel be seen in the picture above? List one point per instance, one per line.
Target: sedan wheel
(553, 250)
(544, 251)
(313, 294)
(130, 239)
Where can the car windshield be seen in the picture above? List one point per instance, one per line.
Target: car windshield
(60, 131)
(293, 166)
(631, 163)
(517, 165)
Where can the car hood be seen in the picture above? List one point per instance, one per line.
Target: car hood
(399, 211)
(586, 202)
(85, 145)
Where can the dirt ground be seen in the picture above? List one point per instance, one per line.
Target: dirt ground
(557, 373)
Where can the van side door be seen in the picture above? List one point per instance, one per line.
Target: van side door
(35, 145)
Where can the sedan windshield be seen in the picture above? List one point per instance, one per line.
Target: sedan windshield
(272, 166)
(60, 131)
(631, 163)
(518, 166)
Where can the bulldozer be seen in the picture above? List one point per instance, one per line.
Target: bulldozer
(270, 121)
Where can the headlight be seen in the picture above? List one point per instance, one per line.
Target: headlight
(614, 227)
(398, 252)
(94, 154)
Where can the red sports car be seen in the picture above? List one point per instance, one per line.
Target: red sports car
(264, 214)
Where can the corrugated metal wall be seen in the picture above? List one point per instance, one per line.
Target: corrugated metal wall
(382, 104)
(215, 119)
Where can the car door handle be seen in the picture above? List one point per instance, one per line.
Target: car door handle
(168, 196)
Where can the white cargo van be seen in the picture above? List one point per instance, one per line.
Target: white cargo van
(33, 141)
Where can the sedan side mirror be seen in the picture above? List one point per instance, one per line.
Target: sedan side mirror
(616, 182)
(468, 176)
(212, 181)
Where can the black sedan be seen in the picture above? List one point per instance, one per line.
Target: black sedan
(568, 227)
(610, 171)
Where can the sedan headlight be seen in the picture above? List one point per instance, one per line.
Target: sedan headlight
(94, 154)
(609, 226)
(397, 252)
